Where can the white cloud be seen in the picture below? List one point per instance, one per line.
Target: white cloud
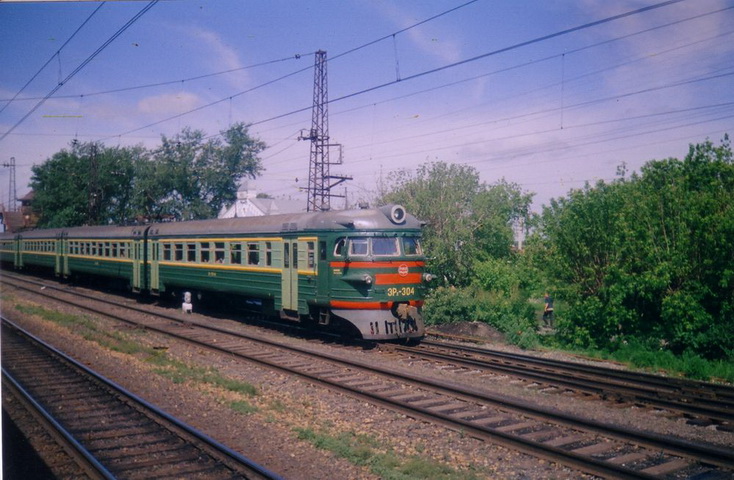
(169, 103)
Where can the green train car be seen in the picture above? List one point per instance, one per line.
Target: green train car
(362, 268)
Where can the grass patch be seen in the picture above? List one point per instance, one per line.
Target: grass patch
(88, 329)
(177, 371)
(62, 319)
(243, 407)
(364, 450)
(180, 372)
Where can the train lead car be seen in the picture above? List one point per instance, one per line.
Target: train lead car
(364, 268)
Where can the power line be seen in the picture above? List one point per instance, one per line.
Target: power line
(485, 55)
(171, 82)
(50, 59)
(82, 65)
(216, 102)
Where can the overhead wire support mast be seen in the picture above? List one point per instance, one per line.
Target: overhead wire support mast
(320, 180)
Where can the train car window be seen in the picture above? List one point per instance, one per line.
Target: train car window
(295, 255)
(385, 246)
(253, 254)
(107, 249)
(412, 246)
(322, 250)
(310, 253)
(123, 250)
(205, 253)
(178, 252)
(339, 247)
(219, 252)
(191, 252)
(358, 246)
(268, 253)
(235, 254)
(287, 255)
(167, 252)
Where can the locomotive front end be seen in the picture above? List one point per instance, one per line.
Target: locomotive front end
(378, 277)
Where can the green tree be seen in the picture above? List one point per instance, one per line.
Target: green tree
(466, 219)
(85, 184)
(649, 257)
(187, 177)
(190, 177)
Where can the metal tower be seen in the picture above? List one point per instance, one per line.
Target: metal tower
(320, 180)
(12, 193)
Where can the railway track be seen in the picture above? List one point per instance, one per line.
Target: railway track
(592, 447)
(702, 404)
(109, 432)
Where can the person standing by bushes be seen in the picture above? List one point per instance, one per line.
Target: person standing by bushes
(548, 310)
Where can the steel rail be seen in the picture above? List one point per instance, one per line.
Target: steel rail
(82, 457)
(708, 454)
(257, 470)
(600, 386)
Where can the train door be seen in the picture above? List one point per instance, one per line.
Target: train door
(140, 260)
(65, 270)
(61, 266)
(137, 258)
(289, 286)
(153, 257)
(18, 256)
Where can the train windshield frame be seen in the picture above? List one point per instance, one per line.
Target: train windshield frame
(377, 246)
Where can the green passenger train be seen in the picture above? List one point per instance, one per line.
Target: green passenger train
(361, 268)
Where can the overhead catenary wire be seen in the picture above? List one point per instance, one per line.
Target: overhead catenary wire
(169, 82)
(55, 55)
(99, 50)
(426, 72)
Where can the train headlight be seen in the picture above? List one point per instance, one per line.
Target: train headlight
(427, 277)
(398, 214)
(367, 278)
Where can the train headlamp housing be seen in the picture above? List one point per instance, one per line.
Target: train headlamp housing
(398, 214)
(427, 277)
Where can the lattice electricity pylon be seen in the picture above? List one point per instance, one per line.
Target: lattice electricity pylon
(320, 180)
(12, 191)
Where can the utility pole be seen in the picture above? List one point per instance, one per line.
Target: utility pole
(320, 180)
(12, 193)
(94, 191)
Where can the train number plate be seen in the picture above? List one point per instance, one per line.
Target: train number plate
(402, 291)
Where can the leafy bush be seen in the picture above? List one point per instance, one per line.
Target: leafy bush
(647, 257)
(511, 315)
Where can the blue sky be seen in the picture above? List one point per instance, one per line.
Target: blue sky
(549, 115)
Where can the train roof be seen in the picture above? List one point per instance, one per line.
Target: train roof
(391, 217)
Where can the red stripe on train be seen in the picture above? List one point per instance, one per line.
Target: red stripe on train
(396, 278)
(348, 305)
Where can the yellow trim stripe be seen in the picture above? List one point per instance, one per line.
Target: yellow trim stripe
(221, 240)
(210, 266)
(97, 240)
(103, 259)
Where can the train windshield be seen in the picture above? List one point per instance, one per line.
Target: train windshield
(385, 246)
(365, 246)
(412, 246)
